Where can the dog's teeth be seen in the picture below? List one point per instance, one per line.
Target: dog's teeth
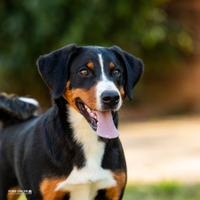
(95, 116)
(87, 109)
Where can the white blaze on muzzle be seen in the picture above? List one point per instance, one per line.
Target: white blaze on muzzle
(105, 126)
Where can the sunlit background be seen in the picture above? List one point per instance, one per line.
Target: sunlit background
(160, 128)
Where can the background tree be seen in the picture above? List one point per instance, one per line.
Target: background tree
(34, 27)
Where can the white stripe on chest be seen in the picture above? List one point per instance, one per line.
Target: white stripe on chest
(85, 182)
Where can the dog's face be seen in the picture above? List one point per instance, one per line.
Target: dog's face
(96, 79)
(93, 80)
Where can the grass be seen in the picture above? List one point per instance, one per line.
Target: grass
(162, 191)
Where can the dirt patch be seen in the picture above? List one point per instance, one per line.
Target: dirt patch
(163, 150)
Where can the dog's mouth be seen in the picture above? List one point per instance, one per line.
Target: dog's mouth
(88, 113)
(100, 121)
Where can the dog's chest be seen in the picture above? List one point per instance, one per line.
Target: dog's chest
(86, 181)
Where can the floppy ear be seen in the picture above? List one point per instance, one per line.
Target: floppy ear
(53, 68)
(134, 68)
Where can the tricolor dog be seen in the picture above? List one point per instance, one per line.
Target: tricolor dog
(72, 151)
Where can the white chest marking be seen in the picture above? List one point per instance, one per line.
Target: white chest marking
(85, 182)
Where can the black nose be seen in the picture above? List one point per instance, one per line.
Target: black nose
(110, 98)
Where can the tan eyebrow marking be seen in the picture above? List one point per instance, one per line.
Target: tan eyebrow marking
(112, 66)
(90, 65)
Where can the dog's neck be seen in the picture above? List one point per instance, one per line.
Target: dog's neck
(78, 133)
(58, 136)
(81, 132)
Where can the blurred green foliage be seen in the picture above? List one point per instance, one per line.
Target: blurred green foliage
(34, 27)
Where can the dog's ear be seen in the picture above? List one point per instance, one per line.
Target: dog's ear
(54, 67)
(134, 68)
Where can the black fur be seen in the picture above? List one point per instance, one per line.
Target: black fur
(53, 68)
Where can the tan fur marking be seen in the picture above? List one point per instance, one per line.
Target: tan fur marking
(48, 186)
(112, 66)
(86, 95)
(69, 95)
(90, 65)
(122, 92)
(115, 192)
(13, 196)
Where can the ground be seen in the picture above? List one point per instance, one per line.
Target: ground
(163, 150)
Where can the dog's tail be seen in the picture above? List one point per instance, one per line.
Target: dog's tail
(14, 109)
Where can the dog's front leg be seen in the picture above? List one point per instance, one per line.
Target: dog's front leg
(116, 192)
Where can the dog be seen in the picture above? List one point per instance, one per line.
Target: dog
(73, 150)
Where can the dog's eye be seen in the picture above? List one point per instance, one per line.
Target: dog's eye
(116, 73)
(84, 72)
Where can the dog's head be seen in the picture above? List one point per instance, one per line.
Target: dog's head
(93, 80)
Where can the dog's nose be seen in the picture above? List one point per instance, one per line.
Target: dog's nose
(110, 98)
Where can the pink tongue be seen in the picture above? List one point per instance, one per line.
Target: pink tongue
(105, 126)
